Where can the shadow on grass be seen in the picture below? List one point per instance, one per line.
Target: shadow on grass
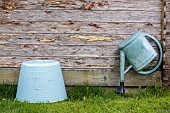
(84, 92)
(87, 91)
(7, 91)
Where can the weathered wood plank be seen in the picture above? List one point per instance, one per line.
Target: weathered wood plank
(166, 67)
(61, 39)
(168, 5)
(66, 39)
(80, 15)
(168, 26)
(168, 34)
(168, 16)
(78, 27)
(168, 42)
(147, 5)
(104, 77)
(74, 61)
(46, 50)
(167, 54)
(167, 59)
(70, 62)
(166, 78)
(168, 22)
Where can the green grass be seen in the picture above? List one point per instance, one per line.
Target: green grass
(91, 100)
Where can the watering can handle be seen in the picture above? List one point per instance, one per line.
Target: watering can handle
(160, 58)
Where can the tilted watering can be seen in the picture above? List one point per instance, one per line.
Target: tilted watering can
(139, 53)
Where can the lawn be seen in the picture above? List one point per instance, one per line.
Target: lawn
(92, 100)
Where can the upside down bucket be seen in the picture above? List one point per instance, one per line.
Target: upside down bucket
(41, 81)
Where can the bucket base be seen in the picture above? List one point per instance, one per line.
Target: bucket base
(41, 81)
(120, 89)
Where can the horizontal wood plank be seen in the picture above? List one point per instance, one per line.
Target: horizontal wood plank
(46, 50)
(70, 62)
(102, 77)
(66, 39)
(148, 5)
(78, 27)
(74, 61)
(79, 15)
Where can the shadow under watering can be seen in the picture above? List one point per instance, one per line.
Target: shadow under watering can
(139, 53)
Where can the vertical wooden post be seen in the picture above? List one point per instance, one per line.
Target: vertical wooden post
(163, 37)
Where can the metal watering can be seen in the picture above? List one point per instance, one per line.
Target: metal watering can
(139, 53)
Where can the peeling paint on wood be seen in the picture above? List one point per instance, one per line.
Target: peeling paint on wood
(148, 5)
(9, 4)
(46, 40)
(83, 35)
(56, 50)
(81, 15)
(78, 27)
(64, 39)
(92, 38)
(69, 61)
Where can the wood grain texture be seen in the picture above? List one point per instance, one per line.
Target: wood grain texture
(57, 50)
(74, 61)
(78, 27)
(80, 15)
(168, 6)
(71, 62)
(148, 5)
(83, 35)
(104, 77)
(167, 16)
(167, 59)
(167, 77)
(168, 28)
(66, 39)
(168, 24)
(167, 53)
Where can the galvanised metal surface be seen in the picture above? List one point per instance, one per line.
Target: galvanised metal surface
(41, 81)
(139, 53)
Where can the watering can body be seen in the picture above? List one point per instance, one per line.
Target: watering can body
(139, 53)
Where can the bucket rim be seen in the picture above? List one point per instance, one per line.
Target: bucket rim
(129, 40)
(40, 63)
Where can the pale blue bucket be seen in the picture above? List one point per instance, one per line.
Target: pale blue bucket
(41, 81)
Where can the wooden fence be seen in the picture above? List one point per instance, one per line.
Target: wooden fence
(166, 74)
(82, 34)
